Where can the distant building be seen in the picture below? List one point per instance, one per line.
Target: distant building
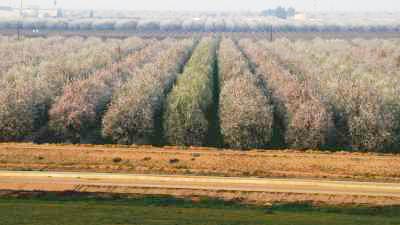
(35, 12)
(30, 11)
(6, 8)
(7, 12)
(44, 13)
(300, 16)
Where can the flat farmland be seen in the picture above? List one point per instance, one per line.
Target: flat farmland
(213, 91)
(201, 161)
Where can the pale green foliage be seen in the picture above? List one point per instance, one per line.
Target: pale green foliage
(135, 109)
(19, 98)
(186, 119)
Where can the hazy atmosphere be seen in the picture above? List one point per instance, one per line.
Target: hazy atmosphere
(304, 5)
(188, 112)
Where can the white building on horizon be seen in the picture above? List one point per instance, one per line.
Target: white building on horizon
(10, 8)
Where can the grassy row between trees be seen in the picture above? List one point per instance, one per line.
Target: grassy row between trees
(189, 105)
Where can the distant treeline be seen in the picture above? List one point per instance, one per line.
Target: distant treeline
(280, 12)
(210, 24)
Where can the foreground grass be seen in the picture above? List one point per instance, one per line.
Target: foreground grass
(49, 210)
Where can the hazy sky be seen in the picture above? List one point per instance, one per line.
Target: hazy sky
(304, 5)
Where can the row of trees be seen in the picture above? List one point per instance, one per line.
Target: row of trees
(20, 110)
(134, 115)
(32, 51)
(188, 109)
(257, 94)
(359, 80)
(28, 91)
(208, 24)
(245, 107)
(302, 119)
(77, 113)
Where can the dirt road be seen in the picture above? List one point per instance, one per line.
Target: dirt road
(285, 164)
(69, 181)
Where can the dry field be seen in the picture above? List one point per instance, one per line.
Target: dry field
(201, 161)
(243, 197)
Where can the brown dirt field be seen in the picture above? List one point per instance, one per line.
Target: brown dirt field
(201, 161)
(260, 198)
(253, 198)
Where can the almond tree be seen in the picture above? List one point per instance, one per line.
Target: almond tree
(245, 110)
